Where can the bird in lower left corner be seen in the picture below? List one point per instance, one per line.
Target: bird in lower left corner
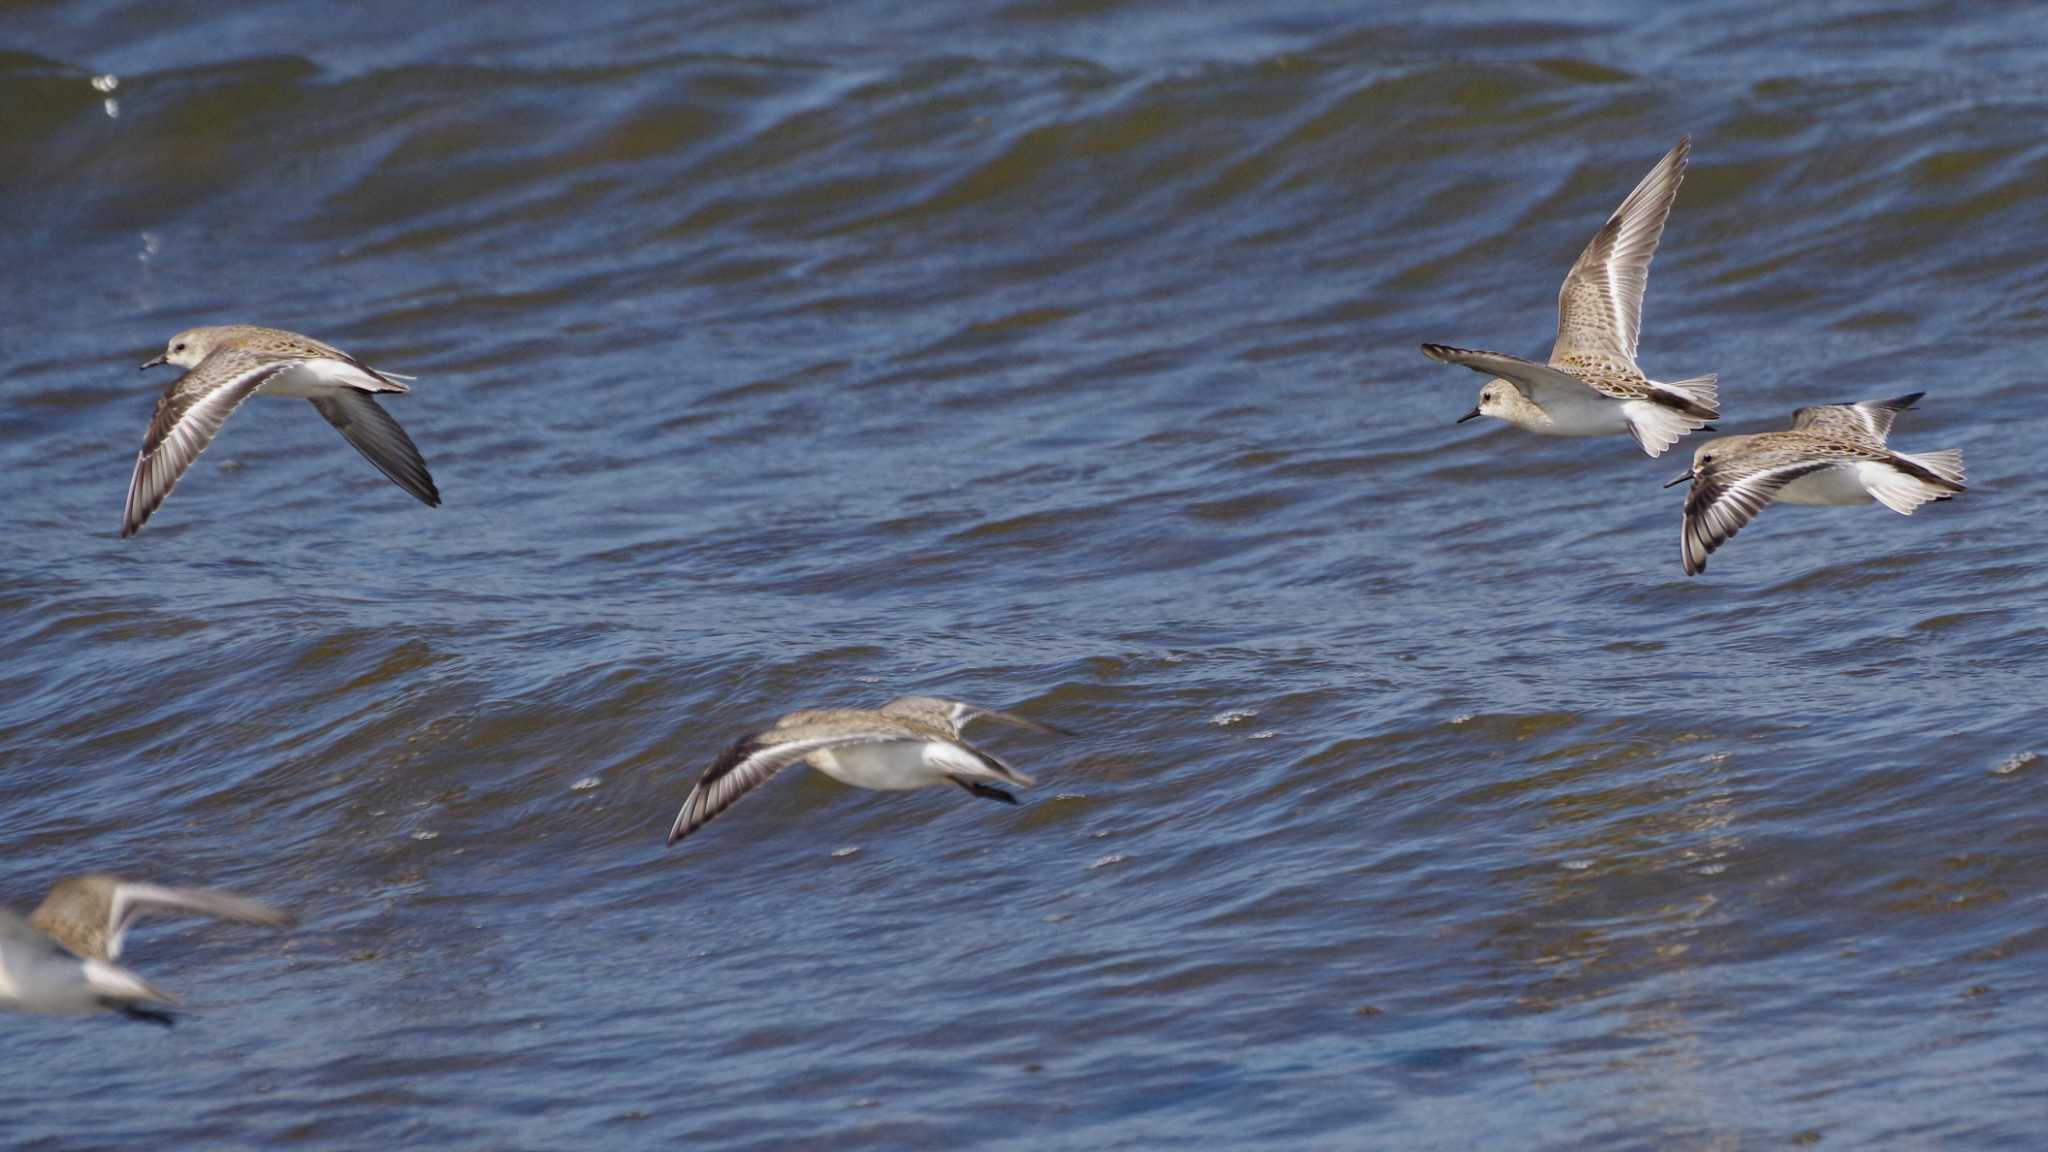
(228, 364)
(62, 960)
(910, 742)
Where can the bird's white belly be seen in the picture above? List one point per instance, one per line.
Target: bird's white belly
(50, 985)
(1836, 484)
(1579, 411)
(890, 767)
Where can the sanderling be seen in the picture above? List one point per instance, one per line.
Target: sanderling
(227, 365)
(912, 742)
(1834, 454)
(1592, 387)
(61, 960)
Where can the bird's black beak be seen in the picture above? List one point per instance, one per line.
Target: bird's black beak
(153, 363)
(1681, 478)
(1473, 414)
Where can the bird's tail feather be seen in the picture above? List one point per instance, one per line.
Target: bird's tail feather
(1700, 395)
(1947, 465)
(1930, 479)
(1657, 427)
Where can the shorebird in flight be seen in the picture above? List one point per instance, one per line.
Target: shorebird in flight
(911, 742)
(1592, 386)
(61, 961)
(227, 365)
(1835, 454)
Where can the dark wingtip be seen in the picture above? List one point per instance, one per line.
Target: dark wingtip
(148, 1015)
(986, 791)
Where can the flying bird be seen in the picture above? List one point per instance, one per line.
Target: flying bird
(227, 365)
(1592, 386)
(1835, 454)
(61, 961)
(911, 742)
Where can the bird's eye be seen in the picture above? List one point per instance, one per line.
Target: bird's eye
(177, 347)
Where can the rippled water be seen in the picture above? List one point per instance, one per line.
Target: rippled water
(1055, 355)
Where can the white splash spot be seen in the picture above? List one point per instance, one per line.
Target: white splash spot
(1711, 869)
(585, 784)
(1462, 718)
(112, 107)
(1236, 716)
(1106, 861)
(2015, 762)
(1071, 796)
(1577, 865)
(843, 853)
(105, 82)
(424, 835)
(150, 245)
(1263, 734)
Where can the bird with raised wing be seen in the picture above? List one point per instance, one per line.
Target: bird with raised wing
(227, 365)
(1834, 454)
(1592, 386)
(61, 961)
(911, 742)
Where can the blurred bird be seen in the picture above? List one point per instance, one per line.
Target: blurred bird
(61, 960)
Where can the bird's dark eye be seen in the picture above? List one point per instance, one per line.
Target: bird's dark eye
(177, 347)
(1706, 459)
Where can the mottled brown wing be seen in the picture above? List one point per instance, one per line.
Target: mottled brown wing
(1721, 501)
(1864, 418)
(188, 416)
(1600, 306)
